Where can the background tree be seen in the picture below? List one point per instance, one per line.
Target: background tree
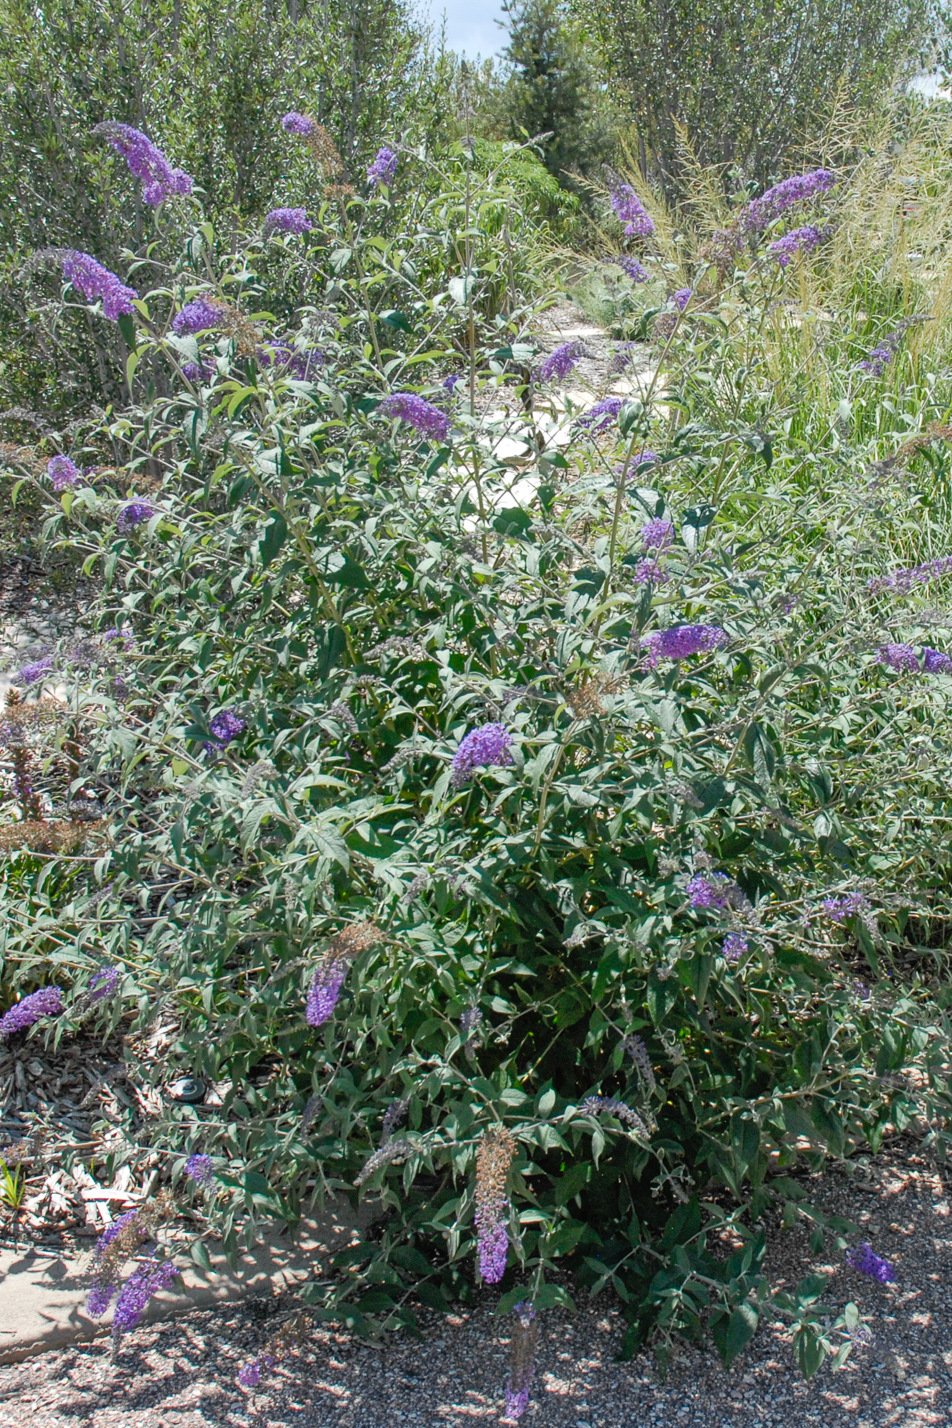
(750, 80)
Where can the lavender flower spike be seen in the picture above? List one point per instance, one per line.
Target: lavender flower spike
(560, 362)
(658, 533)
(902, 581)
(325, 991)
(225, 726)
(630, 211)
(682, 297)
(33, 672)
(902, 657)
(800, 240)
(146, 162)
(867, 1261)
(522, 1360)
(149, 1279)
(48, 1001)
(632, 268)
(200, 315)
(133, 513)
(602, 415)
(199, 1168)
(62, 473)
(383, 170)
(288, 220)
(681, 641)
(300, 124)
(103, 984)
(488, 746)
(425, 418)
(94, 282)
(777, 200)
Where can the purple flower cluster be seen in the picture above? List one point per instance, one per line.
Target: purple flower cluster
(33, 672)
(838, 909)
(422, 415)
(640, 458)
(799, 240)
(658, 533)
(489, 745)
(602, 415)
(225, 726)
(902, 581)
(196, 371)
(734, 946)
(288, 220)
(624, 354)
(48, 1001)
(199, 1168)
(682, 641)
(777, 200)
(62, 473)
(300, 364)
(612, 1106)
(629, 210)
(682, 297)
(450, 383)
(103, 984)
(650, 572)
(559, 363)
(133, 514)
(249, 1375)
(887, 347)
(325, 990)
(301, 124)
(492, 1238)
(865, 1259)
(147, 1280)
(383, 170)
(904, 657)
(632, 268)
(94, 282)
(146, 162)
(714, 891)
(200, 315)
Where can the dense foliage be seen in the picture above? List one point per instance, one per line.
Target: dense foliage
(555, 851)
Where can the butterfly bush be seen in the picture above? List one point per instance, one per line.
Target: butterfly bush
(786, 195)
(383, 170)
(63, 473)
(146, 162)
(47, 1002)
(502, 1007)
(288, 220)
(631, 212)
(96, 283)
(865, 1259)
(799, 240)
(559, 362)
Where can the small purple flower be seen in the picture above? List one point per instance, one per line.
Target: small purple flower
(422, 415)
(734, 946)
(559, 363)
(632, 268)
(146, 162)
(612, 1106)
(48, 1001)
(602, 415)
(624, 355)
(450, 383)
(901, 657)
(704, 891)
(799, 240)
(489, 745)
(777, 200)
(301, 364)
(33, 672)
(630, 211)
(650, 572)
(682, 641)
(93, 282)
(99, 1299)
(133, 514)
(384, 167)
(288, 220)
(469, 1022)
(200, 315)
(225, 726)
(62, 473)
(492, 1234)
(865, 1259)
(199, 1168)
(682, 297)
(112, 1232)
(935, 662)
(658, 533)
(196, 371)
(325, 990)
(147, 1280)
(249, 1375)
(839, 909)
(902, 581)
(103, 984)
(887, 347)
(300, 124)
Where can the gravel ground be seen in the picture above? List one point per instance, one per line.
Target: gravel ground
(181, 1373)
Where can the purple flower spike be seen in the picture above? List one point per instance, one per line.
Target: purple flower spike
(489, 745)
(681, 298)
(300, 124)
(902, 581)
(777, 200)
(133, 514)
(935, 662)
(62, 473)
(146, 162)
(48, 1001)
(682, 641)
(99, 1299)
(839, 909)
(149, 1279)
(632, 268)
(650, 572)
(800, 240)
(559, 363)
(383, 170)
(704, 891)
(492, 1239)
(901, 657)
(630, 211)
(225, 726)
(602, 415)
(325, 991)
(103, 984)
(95, 282)
(865, 1259)
(425, 418)
(33, 672)
(200, 315)
(734, 946)
(658, 533)
(288, 220)
(199, 1168)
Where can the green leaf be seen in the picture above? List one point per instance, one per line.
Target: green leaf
(733, 1332)
(275, 534)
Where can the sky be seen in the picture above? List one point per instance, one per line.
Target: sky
(470, 25)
